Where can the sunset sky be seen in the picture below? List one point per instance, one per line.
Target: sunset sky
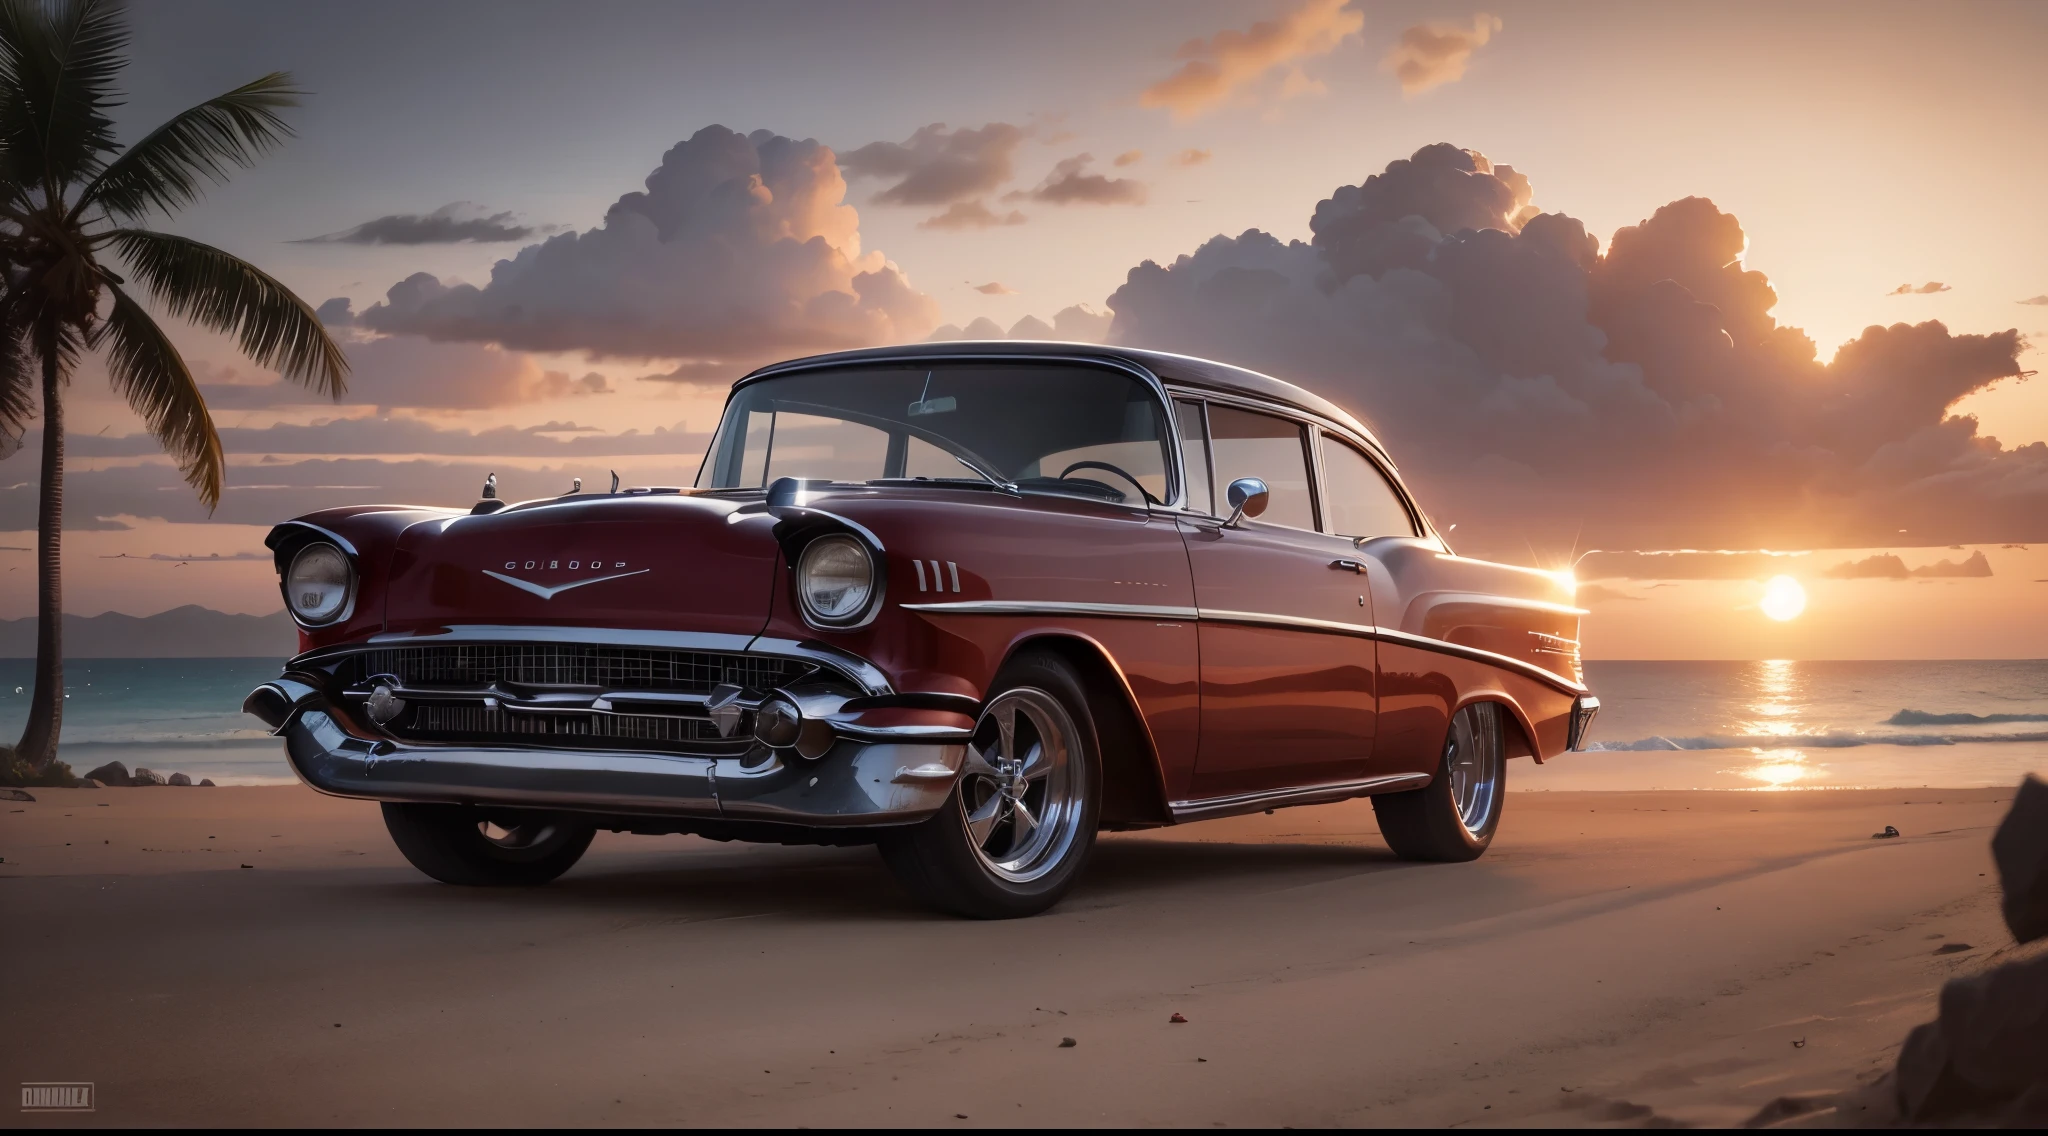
(829, 176)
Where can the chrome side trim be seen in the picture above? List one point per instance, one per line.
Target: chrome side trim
(1053, 607)
(1210, 807)
(1257, 619)
(1443, 647)
(1362, 630)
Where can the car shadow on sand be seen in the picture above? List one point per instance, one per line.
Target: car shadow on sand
(747, 881)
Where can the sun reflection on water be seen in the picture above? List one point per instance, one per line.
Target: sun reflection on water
(1777, 705)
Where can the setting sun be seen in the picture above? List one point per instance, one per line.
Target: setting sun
(1783, 598)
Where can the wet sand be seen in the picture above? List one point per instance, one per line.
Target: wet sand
(1618, 958)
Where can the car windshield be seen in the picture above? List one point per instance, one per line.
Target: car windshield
(1046, 427)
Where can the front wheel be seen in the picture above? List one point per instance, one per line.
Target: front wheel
(1453, 818)
(1021, 820)
(459, 844)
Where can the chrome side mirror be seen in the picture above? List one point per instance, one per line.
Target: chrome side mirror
(1247, 497)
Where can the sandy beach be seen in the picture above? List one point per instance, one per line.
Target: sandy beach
(263, 956)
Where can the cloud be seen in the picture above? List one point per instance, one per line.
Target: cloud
(454, 223)
(995, 288)
(970, 215)
(741, 246)
(1430, 55)
(1077, 323)
(1224, 64)
(1190, 157)
(937, 166)
(403, 371)
(385, 435)
(1932, 286)
(1592, 595)
(2038, 301)
(1128, 158)
(700, 372)
(1885, 566)
(1069, 183)
(212, 557)
(1690, 564)
(1544, 393)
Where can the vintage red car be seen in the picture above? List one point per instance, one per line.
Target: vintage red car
(969, 602)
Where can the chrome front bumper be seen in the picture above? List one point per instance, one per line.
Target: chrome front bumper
(855, 782)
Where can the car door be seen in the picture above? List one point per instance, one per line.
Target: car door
(1363, 507)
(1287, 667)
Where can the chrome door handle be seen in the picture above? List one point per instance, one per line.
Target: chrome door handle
(1348, 566)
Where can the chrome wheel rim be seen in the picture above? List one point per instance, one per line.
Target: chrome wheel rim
(1473, 756)
(1020, 785)
(517, 838)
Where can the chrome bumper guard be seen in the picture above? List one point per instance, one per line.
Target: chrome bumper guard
(1583, 711)
(863, 776)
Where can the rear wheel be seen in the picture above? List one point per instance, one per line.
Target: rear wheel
(460, 844)
(1454, 816)
(1021, 820)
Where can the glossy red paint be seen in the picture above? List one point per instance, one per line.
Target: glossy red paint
(1253, 657)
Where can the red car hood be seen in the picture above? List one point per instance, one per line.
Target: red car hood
(655, 562)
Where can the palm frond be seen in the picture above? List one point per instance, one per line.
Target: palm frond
(225, 293)
(168, 167)
(148, 371)
(17, 372)
(57, 72)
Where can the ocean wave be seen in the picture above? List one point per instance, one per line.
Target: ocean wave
(1924, 718)
(1808, 741)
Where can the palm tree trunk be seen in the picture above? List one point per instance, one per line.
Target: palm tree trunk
(46, 707)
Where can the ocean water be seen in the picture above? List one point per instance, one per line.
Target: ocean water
(169, 715)
(1773, 724)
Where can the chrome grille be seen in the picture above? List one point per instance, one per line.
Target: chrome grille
(488, 722)
(581, 665)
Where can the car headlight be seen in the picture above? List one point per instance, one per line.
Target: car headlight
(317, 584)
(835, 579)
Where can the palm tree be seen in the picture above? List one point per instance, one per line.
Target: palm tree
(71, 199)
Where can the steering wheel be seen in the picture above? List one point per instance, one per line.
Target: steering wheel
(1105, 466)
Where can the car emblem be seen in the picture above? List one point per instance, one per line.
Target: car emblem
(547, 593)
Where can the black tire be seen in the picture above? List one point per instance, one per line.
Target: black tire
(941, 861)
(449, 843)
(1452, 819)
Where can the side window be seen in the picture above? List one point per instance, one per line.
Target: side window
(1357, 497)
(1271, 449)
(1194, 456)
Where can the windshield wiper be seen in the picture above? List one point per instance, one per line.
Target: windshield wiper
(991, 477)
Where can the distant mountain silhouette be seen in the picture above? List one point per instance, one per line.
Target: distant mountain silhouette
(189, 632)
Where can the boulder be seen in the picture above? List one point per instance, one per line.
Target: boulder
(146, 777)
(178, 779)
(1987, 1051)
(206, 782)
(2020, 846)
(16, 795)
(86, 783)
(112, 773)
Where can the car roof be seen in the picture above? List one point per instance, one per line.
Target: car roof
(1177, 370)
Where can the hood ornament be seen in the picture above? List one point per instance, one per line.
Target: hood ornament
(489, 502)
(615, 481)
